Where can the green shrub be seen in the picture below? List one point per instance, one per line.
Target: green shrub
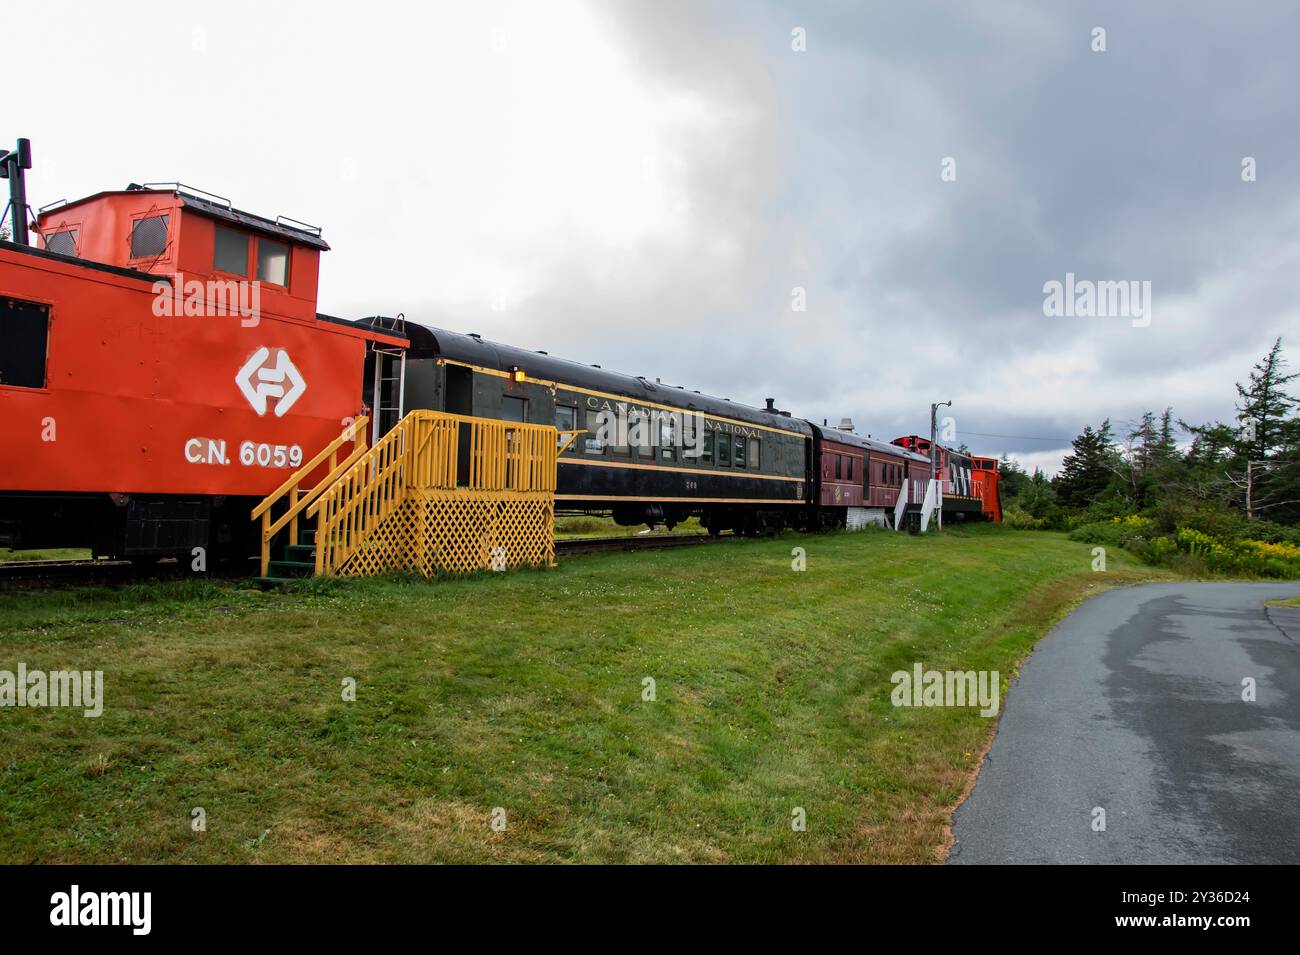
(1016, 518)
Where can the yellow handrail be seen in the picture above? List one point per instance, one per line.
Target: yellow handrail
(300, 499)
(422, 453)
(573, 436)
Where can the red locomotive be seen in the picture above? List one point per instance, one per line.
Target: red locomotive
(970, 484)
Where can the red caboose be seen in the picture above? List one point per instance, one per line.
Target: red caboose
(164, 369)
(986, 477)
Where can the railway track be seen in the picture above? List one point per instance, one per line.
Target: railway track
(49, 571)
(26, 573)
(596, 545)
(87, 571)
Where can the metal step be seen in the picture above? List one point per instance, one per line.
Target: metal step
(300, 553)
(291, 568)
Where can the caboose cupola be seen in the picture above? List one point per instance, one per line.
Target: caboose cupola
(189, 235)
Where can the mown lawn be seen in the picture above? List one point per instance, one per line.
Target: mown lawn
(524, 691)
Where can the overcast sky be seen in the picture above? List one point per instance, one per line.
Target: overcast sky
(644, 185)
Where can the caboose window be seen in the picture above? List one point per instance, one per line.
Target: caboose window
(230, 252)
(272, 262)
(149, 236)
(25, 331)
(64, 242)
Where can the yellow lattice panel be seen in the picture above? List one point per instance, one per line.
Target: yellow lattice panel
(411, 505)
(434, 533)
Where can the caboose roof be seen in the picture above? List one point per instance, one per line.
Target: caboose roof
(298, 233)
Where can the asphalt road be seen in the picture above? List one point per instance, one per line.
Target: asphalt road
(1133, 704)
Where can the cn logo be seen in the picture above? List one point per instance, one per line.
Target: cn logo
(261, 379)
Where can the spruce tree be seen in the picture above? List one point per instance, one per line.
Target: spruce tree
(1265, 405)
(1085, 472)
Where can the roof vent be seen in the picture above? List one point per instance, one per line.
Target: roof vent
(846, 424)
(771, 404)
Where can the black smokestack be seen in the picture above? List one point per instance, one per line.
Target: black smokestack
(12, 165)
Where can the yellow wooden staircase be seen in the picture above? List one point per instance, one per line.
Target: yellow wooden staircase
(439, 494)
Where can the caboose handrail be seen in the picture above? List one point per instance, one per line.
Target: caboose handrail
(300, 499)
(352, 432)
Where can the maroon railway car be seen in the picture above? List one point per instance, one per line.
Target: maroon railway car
(860, 479)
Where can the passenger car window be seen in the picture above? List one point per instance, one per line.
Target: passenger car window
(740, 452)
(513, 409)
(595, 444)
(706, 453)
(755, 459)
(566, 419)
(667, 438)
(724, 451)
(638, 430)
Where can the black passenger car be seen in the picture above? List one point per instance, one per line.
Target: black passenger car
(646, 452)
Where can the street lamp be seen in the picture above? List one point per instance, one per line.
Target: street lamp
(934, 451)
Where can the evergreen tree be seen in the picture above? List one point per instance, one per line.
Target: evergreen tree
(1086, 471)
(1038, 495)
(1209, 464)
(1012, 478)
(1265, 405)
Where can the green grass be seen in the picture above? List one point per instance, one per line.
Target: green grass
(57, 553)
(594, 526)
(523, 691)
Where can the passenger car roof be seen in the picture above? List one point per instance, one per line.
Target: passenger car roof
(428, 341)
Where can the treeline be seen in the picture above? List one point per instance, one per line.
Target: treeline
(1230, 484)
